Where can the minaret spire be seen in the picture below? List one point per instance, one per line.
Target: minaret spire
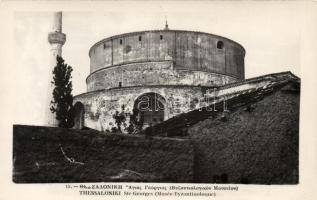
(56, 39)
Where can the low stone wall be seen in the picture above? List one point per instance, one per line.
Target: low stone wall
(46, 154)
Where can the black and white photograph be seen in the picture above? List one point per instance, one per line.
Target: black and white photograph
(160, 99)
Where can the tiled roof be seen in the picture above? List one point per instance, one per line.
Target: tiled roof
(178, 125)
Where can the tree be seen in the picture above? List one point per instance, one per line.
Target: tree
(119, 118)
(62, 93)
(136, 122)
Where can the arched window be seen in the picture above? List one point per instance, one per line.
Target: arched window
(78, 115)
(220, 45)
(151, 108)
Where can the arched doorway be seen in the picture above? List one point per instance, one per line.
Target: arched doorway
(78, 114)
(151, 107)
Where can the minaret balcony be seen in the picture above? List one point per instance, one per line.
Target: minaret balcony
(56, 38)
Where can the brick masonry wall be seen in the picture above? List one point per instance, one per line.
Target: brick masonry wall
(153, 73)
(189, 50)
(255, 146)
(101, 105)
(38, 157)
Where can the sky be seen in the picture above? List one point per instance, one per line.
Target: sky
(270, 32)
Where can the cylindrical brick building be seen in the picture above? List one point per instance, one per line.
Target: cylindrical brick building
(173, 67)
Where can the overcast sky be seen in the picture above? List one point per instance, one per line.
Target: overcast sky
(270, 32)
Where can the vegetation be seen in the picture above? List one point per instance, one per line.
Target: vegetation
(120, 118)
(62, 93)
(136, 122)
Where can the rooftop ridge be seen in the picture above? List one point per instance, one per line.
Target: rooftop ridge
(259, 78)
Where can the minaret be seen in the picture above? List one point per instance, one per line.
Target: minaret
(56, 39)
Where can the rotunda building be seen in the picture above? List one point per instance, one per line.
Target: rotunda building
(161, 73)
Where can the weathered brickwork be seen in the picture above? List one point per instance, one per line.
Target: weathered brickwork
(152, 73)
(100, 106)
(258, 146)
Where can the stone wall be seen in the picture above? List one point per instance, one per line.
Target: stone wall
(189, 50)
(38, 157)
(152, 73)
(101, 105)
(257, 144)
